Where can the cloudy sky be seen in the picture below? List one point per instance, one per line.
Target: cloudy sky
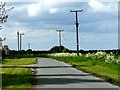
(39, 21)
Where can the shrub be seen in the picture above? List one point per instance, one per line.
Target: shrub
(65, 50)
(57, 49)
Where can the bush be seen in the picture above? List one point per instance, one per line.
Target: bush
(65, 50)
(29, 51)
(57, 49)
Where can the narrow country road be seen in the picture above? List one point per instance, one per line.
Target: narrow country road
(55, 74)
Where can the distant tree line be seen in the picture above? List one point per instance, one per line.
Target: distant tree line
(57, 49)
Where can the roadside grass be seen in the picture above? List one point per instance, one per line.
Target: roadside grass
(17, 77)
(99, 68)
(21, 61)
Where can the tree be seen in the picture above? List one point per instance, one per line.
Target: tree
(6, 50)
(29, 51)
(65, 50)
(3, 15)
(57, 49)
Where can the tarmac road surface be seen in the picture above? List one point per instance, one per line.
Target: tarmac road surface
(56, 74)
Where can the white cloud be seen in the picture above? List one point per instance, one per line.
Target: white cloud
(34, 9)
(49, 3)
(95, 4)
(53, 10)
(98, 6)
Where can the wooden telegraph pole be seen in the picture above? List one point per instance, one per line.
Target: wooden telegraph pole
(77, 25)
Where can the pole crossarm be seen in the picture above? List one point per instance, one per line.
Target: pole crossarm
(59, 30)
(81, 10)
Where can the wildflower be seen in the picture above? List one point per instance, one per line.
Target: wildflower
(63, 54)
(109, 59)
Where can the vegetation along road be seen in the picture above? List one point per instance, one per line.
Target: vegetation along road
(13, 78)
(56, 74)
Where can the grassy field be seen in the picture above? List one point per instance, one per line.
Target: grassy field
(17, 77)
(100, 68)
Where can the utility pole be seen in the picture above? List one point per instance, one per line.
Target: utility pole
(77, 25)
(18, 40)
(28, 45)
(1, 40)
(59, 31)
(21, 40)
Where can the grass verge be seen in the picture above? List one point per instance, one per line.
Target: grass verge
(107, 71)
(17, 77)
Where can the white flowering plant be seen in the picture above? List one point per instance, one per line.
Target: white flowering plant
(63, 54)
(109, 58)
(96, 56)
(99, 56)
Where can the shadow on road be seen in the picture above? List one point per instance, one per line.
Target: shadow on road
(48, 81)
(63, 75)
(52, 66)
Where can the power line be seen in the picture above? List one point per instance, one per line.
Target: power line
(77, 25)
(64, 37)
